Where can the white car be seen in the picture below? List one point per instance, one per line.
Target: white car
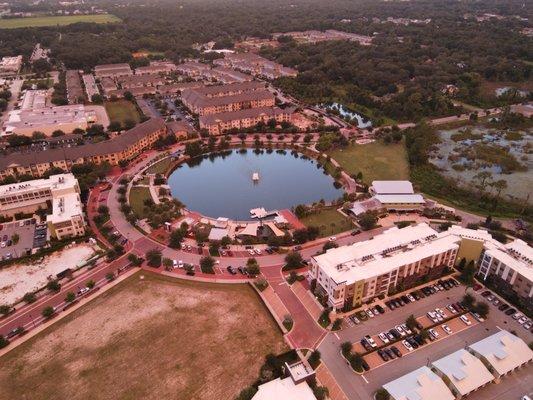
(174, 263)
(369, 313)
(465, 319)
(371, 341)
(452, 310)
(440, 312)
(332, 238)
(383, 338)
(400, 330)
(446, 329)
(407, 345)
(433, 333)
(251, 252)
(183, 246)
(258, 252)
(180, 264)
(410, 297)
(517, 316)
(406, 329)
(432, 316)
(522, 320)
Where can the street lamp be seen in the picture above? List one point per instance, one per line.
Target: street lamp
(33, 322)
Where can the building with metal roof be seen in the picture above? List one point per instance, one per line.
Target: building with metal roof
(420, 384)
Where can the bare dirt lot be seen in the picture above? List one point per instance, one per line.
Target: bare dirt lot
(151, 338)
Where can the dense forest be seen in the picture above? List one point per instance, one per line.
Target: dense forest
(399, 77)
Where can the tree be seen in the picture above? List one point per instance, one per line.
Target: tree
(97, 99)
(314, 358)
(134, 260)
(53, 286)
(70, 297)
(206, 265)
(90, 284)
(110, 276)
(58, 133)
(48, 312)
(153, 258)
(5, 309)
(424, 334)
(411, 322)
(482, 309)
(468, 300)
(293, 260)
(15, 238)
(468, 272)
(356, 361)
(346, 348)
(367, 221)
(252, 267)
(29, 298)
(3, 342)
(382, 394)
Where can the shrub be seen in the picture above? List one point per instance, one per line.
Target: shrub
(48, 312)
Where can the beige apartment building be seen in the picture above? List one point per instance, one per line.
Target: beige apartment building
(60, 193)
(112, 70)
(201, 104)
(126, 146)
(217, 124)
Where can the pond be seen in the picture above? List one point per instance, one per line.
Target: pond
(222, 185)
(361, 121)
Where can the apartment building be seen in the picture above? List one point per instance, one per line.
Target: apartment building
(256, 65)
(510, 266)
(61, 193)
(47, 120)
(192, 69)
(91, 88)
(217, 124)
(10, 65)
(328, 35)
(420, 384)
(156, 67)
(74, 88)
(34, 99)
(138, 81)
(202, 104)
(351, 275)
(112, 70)
(126, 146)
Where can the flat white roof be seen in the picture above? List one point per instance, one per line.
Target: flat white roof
(504, 351)
(421, 384)
(387, 251)
(466, 372)
(400, 198)
(393, 187)
(217, 233)
(284, 389)
(54, 182)
(65, 207)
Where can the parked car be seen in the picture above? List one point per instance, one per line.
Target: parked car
(433, 333)
(405, 299)
(231, 270)
(510, 311)
(412, 342)
(395, 333)
(465, 319)
(528, 325)
(383, 355)
(411, 298)
(390, 304)
(355, 232)
(371, 341)
(384, 338)
(366, 345)
(390, 353)
(400, 330)
(446, 329)
(503, 307)
(406, 329)
(365, 365)
(390, 336)
(242, 270)
(477, 317)
(380, 309)
(395, 350)
(486, 293)
(451, 308)
(369, 313)
(407, 345)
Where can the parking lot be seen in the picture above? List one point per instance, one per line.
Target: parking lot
(29, 234)
(362, 387)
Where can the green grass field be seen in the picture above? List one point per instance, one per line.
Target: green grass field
(32, 22)
(160, 167)
(328, 221)
(377, 161)
(121, 111)
(137, 197)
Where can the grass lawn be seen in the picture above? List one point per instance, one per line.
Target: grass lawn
(56, 20)
(160, 167)
(121, 110)
(328, 221)
(155, 338)
(377, 161)
(137, 197)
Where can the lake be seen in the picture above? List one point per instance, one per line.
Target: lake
(222, 185)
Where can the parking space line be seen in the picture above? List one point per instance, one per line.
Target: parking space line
(337, 336)
(364, 378)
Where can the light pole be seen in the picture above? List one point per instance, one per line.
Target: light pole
(33, 322)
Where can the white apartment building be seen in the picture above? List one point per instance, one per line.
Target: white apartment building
(352, 274)
(10, 65)
(399, 258)
(511, 265)
(60, 193)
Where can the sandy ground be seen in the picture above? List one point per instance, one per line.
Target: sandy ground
(19, 279)
(151, 338)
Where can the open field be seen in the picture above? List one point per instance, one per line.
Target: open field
(328, 221)
(151, 338)
(160, 167)
(51, 20)
(377, 161)
(121, 111)
(137, 197)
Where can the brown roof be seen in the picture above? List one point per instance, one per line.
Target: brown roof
(114, 145)
(213, 119)
(223, 90)
(196, 99)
